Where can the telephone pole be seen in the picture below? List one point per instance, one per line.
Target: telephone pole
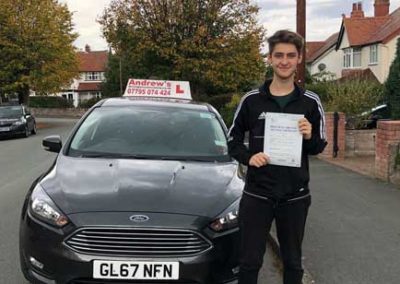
(301, 30)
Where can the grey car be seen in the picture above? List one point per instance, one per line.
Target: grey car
(142, 191)
(16, 120)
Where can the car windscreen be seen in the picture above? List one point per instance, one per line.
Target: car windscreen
(150, 132)
(10, 112)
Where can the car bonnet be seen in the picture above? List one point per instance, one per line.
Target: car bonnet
(79, 185)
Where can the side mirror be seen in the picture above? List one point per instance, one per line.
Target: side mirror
(52, 143)
(242, 171)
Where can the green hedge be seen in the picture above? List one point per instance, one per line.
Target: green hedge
(228, 111)
(50, 102)
(88, 103)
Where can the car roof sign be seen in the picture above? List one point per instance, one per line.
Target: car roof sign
(158, 89)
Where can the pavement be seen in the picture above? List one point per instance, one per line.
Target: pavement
(352, 233)
(364, 165)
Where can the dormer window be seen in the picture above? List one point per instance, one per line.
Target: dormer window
(93, 76)
(352, 57)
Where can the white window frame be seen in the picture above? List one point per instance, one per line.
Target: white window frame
(349, 55)
(373, 54)
(347, 58)
(93, 76)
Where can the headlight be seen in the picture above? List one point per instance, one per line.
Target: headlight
(19, 122)
(43, 208)
(227, 219)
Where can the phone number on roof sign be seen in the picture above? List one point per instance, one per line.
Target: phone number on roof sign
(142, 91)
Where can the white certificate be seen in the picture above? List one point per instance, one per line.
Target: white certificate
(282, 139)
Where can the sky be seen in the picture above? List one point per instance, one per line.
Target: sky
(323, 17)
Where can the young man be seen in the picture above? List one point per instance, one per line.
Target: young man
(271, 191)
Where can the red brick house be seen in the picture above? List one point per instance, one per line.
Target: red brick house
(362, 43)
(92, 66)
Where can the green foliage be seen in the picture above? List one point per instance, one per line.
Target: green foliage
(50, 102)
(354, 96)
(269, 72)
(321, 89)
(392, 86)
(214, 44)
(116, 66)
(228, 111)
(88, 103)
(219, 101)
(36, 38)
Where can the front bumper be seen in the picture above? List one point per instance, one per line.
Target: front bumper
(12, 130)
(62, 265)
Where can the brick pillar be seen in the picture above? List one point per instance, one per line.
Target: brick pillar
(387, 135)
(328, 152)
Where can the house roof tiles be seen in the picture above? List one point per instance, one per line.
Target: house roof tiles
(327, 44)
(370, 30)
(312, 47)
(85, 87)
(93, 61)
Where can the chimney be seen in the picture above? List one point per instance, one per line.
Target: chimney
(357, 11)
(87, 48)
(381, 8)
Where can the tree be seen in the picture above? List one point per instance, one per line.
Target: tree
(353, 96)
(392, 86)
(214, 44)
(36, 47)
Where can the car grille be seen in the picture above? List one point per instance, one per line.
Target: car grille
(137, 242)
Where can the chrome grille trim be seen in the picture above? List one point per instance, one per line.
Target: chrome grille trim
(122, 241)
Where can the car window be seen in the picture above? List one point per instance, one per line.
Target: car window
(161, 132)
(381, 113)
(10, 112)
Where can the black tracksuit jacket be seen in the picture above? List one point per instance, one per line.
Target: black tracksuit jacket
(278, 183)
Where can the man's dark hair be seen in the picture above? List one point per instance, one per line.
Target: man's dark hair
(286, 36)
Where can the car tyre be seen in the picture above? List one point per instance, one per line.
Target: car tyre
(27, 132)
(34, 129)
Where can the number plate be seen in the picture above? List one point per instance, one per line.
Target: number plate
(4, 128)
(135, 270)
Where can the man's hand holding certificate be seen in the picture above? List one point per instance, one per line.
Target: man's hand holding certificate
(283, 138)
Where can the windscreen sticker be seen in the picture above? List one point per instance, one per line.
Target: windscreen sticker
(220, 143)
(206, 115)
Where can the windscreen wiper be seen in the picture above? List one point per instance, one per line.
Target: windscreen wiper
(187, 159)
(114, 156)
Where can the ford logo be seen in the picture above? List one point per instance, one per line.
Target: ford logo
(139, 218)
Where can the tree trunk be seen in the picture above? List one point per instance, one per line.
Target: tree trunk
(23, 95)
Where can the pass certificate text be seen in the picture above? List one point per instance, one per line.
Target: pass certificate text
(282, 139)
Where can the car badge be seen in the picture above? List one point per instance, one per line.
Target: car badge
(139, 218)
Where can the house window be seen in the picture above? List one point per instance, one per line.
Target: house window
(373, 54)
(92, 76)
(352, 57)
(70, 96)
(347, 58)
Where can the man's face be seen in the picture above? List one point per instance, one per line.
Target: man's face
(284, 60)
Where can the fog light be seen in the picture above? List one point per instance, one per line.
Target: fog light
(36, 263)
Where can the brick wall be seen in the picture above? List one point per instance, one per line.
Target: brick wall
(360, 142)
(387, 141)
(329, 120)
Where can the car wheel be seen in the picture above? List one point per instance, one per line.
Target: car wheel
(34, 130)
(27, 132)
